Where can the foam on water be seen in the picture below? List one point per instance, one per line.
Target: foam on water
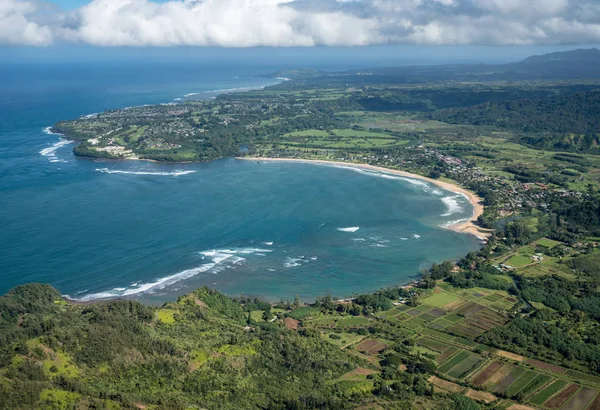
(50, 152)
(219, 260)
(349, 229)
(175, 173)
(452, 205)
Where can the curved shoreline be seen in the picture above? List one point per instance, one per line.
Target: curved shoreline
(463, 227)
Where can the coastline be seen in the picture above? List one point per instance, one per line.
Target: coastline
(463, 227)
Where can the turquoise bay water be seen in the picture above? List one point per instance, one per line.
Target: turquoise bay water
(98, 229)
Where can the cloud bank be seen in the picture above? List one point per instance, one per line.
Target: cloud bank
(248, 23)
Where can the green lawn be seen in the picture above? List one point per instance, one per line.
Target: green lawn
(517, 261)
(440, 299)
(352, 321)
(307, 133)
(547, 243)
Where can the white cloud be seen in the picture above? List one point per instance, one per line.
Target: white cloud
(247, 23)
(17, 27)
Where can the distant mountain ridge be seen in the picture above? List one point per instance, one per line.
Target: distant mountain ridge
(564, 65)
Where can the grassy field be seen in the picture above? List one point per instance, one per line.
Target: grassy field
(518, 261)
(440, 299)
(350, 321)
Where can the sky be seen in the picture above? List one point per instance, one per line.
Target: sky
(298, 23)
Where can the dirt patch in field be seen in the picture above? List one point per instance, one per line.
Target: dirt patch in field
(437, 312)
(371, 347)
(481, 396)
(358, 373)
(519, 407)
(545, 366)
(511, 356)
(200, 303)
(558, 400)
(447, 353)
(291, 323)
(581, 399)
(445, 385)
(361, 371)
(500, 374)
(482, 377)
(595, 404)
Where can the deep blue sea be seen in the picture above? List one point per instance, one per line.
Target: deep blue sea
(98, 229)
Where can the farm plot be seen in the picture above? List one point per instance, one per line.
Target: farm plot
(352, 321)
(543, 396)
(498, 376)
(445, 385)
(534, 385)
(583, 376)
(510, 378)
(595, 404)
(545, 366)
(481, 396)
(478, 320)
(521, 382)
(439, 324)
(446, 355)
(463, 355)
(432, 344)
(465, 367)
(558, 400)
(371, 346)
(581, 399)
(487, 372)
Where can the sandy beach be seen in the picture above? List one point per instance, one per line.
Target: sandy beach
(464, 227)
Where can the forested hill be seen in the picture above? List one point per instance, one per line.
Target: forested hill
(203, 351)
(571, 122)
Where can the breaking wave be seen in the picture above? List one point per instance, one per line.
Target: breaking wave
(116, 171)
(218, 260)
(349, 229)
(452, 205)
(50, 152)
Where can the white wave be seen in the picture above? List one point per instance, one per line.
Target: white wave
(455, 222)
(48, 130)
(272, 270)
(292, 262)
(359, 239)
(381, 174)
(416, 236)
(190, 94)
(116, 171)
(349, 229)
(452, 205)
(50, 152)
(313, 258)
(268, 243)
(220, 259)
(404, 239)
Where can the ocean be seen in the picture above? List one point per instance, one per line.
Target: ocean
(103, 229)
